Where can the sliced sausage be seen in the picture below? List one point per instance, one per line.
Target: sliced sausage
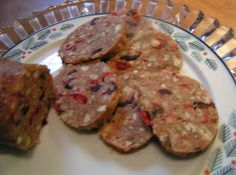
(94, 39)
(88, 94)
(27, 93)
(126, 132)
(182, 114)
(147, 49)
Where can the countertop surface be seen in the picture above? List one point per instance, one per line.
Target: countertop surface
(224, 10)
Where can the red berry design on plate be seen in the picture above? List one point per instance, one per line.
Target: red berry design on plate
(233, 162)
(235, 134)
(207, 172)
(29, 52)
(54, 29)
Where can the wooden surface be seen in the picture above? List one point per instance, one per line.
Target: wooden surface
(224, 10)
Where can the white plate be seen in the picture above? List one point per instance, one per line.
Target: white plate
(64, 151)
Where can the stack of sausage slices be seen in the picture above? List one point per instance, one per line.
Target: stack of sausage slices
(122, 76)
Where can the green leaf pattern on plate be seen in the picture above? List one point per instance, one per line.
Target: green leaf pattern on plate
(230, 148)
(166, 28)
(227, 170)
(38, 44)
(215, 160)
(182, 45)
(222, 160)
(232, 119)
(14, 54)
(67, 26)
(37, 41)
(197, 56)
(224, 133)
(188, 44)
(181, 36)
(196, 45)
(44, 34)
(211, 64)
(55, 35)
(28, 43)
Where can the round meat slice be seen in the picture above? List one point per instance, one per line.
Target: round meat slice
(150, 51)
(88, 94)
(98, 38)
(189, 122)
(181, 112)
(126, 132)
(159, 51)
(144, 90)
